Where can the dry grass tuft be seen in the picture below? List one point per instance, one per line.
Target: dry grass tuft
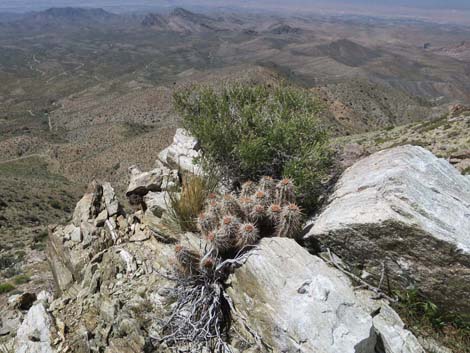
(185, 207)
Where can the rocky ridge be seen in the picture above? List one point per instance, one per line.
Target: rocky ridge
(113, 292)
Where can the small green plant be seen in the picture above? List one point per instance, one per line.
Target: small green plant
(21, 279)
(6, 287)
(425, 318)
(251, 131)
(418, 307)
(55, 204)
(185, 206)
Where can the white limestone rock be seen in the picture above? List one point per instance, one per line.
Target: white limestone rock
(408, 211)
(393, 336)
(182, 152)
(142, 182)
(34, 333)
(73, 233)
(157, 202)
(110, 199)
(297, 303)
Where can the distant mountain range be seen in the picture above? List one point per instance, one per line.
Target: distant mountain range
(181, 20)
(72, 14)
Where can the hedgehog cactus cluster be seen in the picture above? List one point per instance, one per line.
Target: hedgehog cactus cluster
(231, 224)
(236, 221)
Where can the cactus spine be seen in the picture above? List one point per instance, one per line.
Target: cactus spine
(248, 235)
(290, 221)
(285, 192)
(274, 213)
(230, 205)
(248, 189)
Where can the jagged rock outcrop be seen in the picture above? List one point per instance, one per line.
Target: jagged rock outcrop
(297, 303)
(158, 179)
(182, 153)
(151, 189)
(405, 212)
(114, 274)
(97, 223)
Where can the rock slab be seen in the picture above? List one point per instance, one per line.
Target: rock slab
(407, 212)
(297, 303)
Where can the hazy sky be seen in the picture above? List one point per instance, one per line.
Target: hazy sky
(25, 5)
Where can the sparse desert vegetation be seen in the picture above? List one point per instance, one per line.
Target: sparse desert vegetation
(286, 100)
(251, 131)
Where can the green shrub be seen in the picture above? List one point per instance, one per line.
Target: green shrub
(21, 279)
(55, 204)
(251, 131)
(6, 287)
(414, 306)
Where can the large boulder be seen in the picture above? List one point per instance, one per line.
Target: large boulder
(404, 214)
(297, 303)
(182, 152)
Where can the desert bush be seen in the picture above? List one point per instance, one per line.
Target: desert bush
(184, 206)
(251, 131)
(6, 287)
(55, 204)
(427, 319)
(21, 279)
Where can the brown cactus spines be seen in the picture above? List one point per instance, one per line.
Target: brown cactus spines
(291, 221)
(222, 242)
(248, 189)
(285, 191)
(226, 236)
(210, 237)
(268, 185)
(206, 222)
(246, 204)
(230, 205)
(212, 197)
(274, 213)
(229, 226)
(188, 260)
(257, 213)
(214, 207)
(249, 235)
(261, 198)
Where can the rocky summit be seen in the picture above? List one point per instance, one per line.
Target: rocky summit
(234, 176)
(113, 269)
